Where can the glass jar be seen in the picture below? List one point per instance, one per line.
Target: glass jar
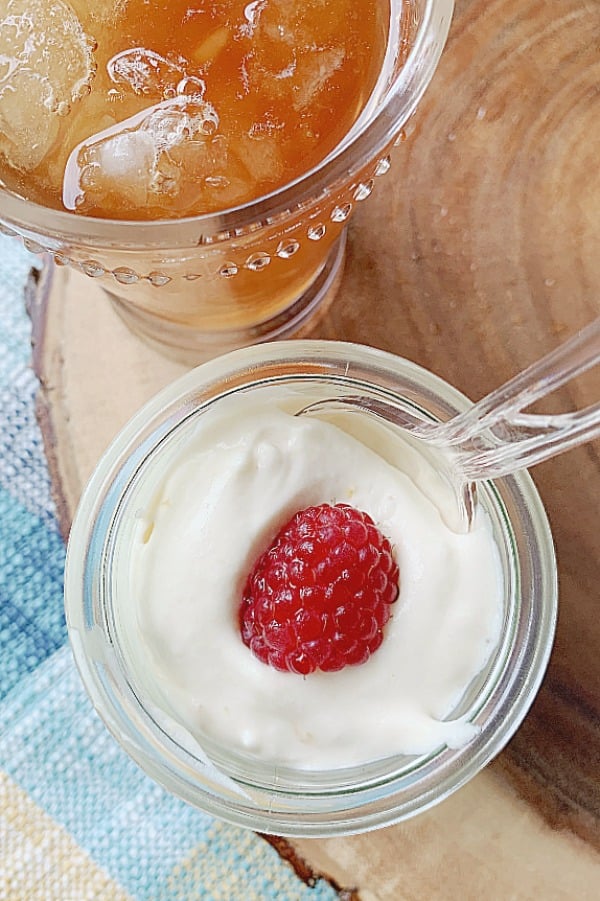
(225, 783)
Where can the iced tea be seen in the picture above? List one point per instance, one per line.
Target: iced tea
(138, 116)
(152, 109)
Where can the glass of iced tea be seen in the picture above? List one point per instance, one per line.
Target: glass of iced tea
(201, 158)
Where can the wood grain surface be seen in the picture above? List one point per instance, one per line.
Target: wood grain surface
(476, 254)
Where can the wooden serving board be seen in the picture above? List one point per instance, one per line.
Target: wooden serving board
(476, 254)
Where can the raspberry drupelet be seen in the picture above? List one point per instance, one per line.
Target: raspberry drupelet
(320, 596)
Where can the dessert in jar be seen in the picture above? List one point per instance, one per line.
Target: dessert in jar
(244, 714)
(216, 506)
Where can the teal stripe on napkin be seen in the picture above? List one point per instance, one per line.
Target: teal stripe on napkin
(32, 623)
(15, 329)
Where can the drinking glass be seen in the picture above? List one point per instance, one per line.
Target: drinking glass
(200, 285)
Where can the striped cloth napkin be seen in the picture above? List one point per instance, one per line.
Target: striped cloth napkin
(78, 819)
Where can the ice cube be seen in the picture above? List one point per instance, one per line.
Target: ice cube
(124, 160)
(211, 46)
(301, 25)
(304, 78)
(146, 72)
(279, 20)
(313, 71)
(104, 11)
(260, 155)
(46, 65)
(107, 10)
(26, 134)
(295, 49)
(147, 159)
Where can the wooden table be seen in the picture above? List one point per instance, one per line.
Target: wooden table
(477, 253)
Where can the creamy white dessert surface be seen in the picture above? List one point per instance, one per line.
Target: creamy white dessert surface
(225, 492)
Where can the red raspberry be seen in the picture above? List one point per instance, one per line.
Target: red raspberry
(320, 596)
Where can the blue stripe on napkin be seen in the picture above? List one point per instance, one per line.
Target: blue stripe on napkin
(155, 846)
(32, 623)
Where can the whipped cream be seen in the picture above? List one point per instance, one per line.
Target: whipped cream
(216, 504)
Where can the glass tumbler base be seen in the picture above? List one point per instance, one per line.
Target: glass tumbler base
(190, 346)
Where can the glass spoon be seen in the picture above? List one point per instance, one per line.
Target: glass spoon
(495, 437)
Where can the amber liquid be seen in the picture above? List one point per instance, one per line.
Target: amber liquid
(286, 81)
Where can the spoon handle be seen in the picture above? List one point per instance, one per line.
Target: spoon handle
(495, 436)
(530, 439)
